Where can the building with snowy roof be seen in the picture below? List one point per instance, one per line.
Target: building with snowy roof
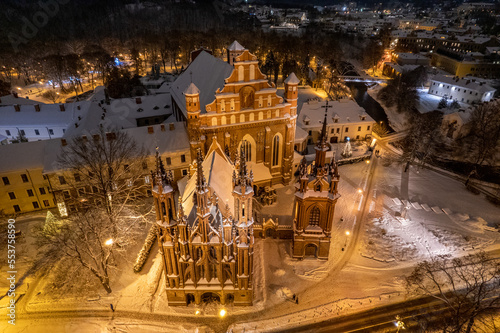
(466, 90)
(345, 119)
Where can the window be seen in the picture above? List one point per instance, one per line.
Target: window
(338, 130)
(359, 128)
(16, 208)
(357, 137)
(62, 181)
(46, 203)
(169, 161)
(346, 129)
(276, 150)
(147, 180)
(24, 177)
(12, 195)
(332, 131)
(37, 132)
(42, 190)
(66, 195)
(214, 121)
(247, 149)
(35, 204)
(7, 132)
(6, 180)
(51, 131)
(314, 216)
(81, 192)
(77, 177)
(368, 127)
(184, 172)
(183, 158)
(30, 192)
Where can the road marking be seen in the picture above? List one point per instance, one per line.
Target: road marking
(437, 210)
(426, 207)
(447, 211)
(397, 201)
(416, 205)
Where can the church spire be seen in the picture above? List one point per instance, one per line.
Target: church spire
(200, 181)
(323, 136)
(322, 146)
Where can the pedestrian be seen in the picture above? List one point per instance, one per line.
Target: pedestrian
(112, 308)
(296, 300)
(293, 297)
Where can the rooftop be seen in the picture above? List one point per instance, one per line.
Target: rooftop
(471, 83)
(346, 111)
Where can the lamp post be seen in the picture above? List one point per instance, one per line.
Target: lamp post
(347, 233)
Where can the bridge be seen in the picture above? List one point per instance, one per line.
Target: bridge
(364, 79)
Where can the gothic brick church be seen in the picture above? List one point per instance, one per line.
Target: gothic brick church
(241, 137)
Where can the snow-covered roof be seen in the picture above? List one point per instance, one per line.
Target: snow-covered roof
(22, 156)
(208, 73)
(471, 83)
(347, 111)
(11, 100)
(218, 174)
(48, 114)
(192, 90)
(292, 79)
(171, 139)
(235, 46)
(300, 135)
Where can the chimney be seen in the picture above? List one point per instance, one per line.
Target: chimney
(37, 107)
(84, 138)
(162, 127)
(17, 108)
(78, 107)
(138, 100)
(171, 126)
(151, 130)
(63, 142)
(61, 107)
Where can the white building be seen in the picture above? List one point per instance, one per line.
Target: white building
(345, 119)
(466, 90)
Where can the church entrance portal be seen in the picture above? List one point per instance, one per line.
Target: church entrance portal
(189, 299)
(334, 139)
(311, 250)
(210, 298)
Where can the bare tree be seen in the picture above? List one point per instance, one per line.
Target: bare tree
(109, 171)
(86, 238)
(51, 95)
(468, 286)
(481, 145)
(424, 135)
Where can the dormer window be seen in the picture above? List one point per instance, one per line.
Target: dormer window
(140, 109)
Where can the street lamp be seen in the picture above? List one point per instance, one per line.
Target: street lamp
(360, 190)
(222, 313)
(109, 242)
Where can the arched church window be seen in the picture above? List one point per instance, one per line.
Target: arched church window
(243, 210)
(170, 209)
(163, 210)
(314, 216)
(232, 104)
(277, 113)
(214, 121)
(261, 115)
(222, 105)
(261, 101)
(247, 149)
(242, 118)
(223, 120)
(276, 150)
(251, 117)
(233, 119)
(269, 100)
(252, 72)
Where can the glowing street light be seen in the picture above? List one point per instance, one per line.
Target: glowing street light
(197, 312)
(222, 313)
(360, 190)
(109, 242)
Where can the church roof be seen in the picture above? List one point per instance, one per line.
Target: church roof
(292, 79)
(192, 90)
(218, 173)
(235, 46)
(207, 73)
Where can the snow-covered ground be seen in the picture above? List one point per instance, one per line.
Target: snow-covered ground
(442, 218)
(398, 121)
(428, 102)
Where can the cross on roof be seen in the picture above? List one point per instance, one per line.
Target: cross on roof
(326, 106)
